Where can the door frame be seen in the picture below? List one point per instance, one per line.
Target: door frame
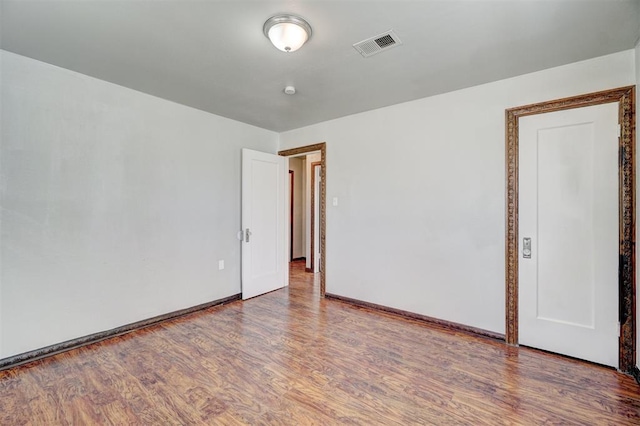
(313, 211)
(322, 147)
(291, 187)
(626, 211)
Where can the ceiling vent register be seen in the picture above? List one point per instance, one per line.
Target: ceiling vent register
(377, 44)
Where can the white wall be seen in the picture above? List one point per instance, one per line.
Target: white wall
(305, 215)
(317, 182)
(296, 164)
(116, 205)
(1, 186)
(420, 221)
(310, 158)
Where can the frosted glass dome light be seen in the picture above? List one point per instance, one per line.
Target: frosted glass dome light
(287, 32)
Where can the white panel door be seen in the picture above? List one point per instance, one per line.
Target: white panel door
(264, 258)
(568, 207)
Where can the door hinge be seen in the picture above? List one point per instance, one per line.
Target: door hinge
(618, 328)
(619, 131)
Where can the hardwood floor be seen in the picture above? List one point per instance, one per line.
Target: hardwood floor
(290, 358)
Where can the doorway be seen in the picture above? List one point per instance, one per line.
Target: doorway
(625, 205)
(321, 148)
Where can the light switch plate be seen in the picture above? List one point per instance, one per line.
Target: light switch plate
(220, 265)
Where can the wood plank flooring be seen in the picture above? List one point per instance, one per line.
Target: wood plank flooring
(289, 358)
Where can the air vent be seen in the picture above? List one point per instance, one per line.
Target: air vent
(377, 44)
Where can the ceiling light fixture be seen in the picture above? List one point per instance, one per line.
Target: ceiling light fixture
(287, 32)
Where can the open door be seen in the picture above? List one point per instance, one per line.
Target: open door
(264, 251)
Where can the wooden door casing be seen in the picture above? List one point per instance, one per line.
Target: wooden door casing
(625, 96)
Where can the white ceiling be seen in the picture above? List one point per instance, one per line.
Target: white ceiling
(212, 55)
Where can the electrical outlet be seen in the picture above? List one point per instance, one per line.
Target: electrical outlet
(220, 265)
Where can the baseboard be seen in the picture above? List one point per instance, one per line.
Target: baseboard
(447, 324)
(308, 270)
(635, 372)
(23, 358)
(298, 258)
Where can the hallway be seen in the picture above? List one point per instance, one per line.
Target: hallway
(290, 358)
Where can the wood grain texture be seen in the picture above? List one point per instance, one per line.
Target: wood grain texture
(25, 357)
(293, 358)
(625, 96)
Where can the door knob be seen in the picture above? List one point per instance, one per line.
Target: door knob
(526, 248)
